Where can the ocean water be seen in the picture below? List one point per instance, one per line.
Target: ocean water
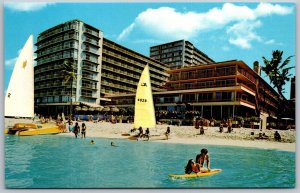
(52, 161)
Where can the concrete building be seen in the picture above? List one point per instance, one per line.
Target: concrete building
(178, 54)
(102, 68)
(219, 90)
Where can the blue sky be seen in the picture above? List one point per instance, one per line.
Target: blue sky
(224, 31)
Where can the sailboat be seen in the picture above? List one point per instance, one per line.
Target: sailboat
(19, 98)
(144, 114)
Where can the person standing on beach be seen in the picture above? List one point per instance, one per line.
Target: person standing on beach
(167, 133)
(76, 129)
(83, 130)
(201, 158)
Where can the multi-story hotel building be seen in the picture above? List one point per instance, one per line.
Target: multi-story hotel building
(219, 90)
(178, 54)
(102, 68)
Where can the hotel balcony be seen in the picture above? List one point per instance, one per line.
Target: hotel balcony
(90, 51)
(89, 77)
(55, 41)
(56, 49)
(89, 68)
(55, 58)
(91, 42)
(59, 30)
(92, 33)
(89, 87)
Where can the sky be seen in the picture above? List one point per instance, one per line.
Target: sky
(223, 31)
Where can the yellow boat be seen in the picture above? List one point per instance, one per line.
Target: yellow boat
(27, 129)
(193, 175)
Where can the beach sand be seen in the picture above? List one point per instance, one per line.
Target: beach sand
(189, 135)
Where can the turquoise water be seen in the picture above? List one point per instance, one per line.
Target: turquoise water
(52, 161)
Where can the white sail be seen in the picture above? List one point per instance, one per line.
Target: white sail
(144, 114)
(19, 98)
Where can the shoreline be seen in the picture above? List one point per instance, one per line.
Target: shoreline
(189, 135)
(240, 137)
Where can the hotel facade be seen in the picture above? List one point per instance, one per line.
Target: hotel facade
(183, 78)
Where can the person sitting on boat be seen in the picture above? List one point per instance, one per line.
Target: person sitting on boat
(192, 166)
(201, 158)
(167, 133)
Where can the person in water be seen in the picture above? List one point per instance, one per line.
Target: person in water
(192, 166)
(113, 144)
(201, 158)
(93, 142)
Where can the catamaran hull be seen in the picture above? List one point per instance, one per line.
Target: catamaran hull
(27, 129)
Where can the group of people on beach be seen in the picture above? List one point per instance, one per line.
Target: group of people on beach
(197, 166)
(76, 129)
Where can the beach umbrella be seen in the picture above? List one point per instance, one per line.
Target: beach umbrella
(114, 109)
(78, 108)
(84, 108)
(106, 109)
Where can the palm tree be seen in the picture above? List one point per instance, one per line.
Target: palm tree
(69, 75)
(277, 72)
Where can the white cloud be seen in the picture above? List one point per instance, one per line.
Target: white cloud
(10, 62)
(265, 9)
(242, 34)
(126, 31)
(28, 6)
(272, 41)
(168, 23)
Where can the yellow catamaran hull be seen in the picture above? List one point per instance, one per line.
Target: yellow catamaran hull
(27, 129)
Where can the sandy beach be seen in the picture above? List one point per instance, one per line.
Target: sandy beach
(189, 135)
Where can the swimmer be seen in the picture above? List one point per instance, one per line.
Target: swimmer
(113, 144)
(92, 142)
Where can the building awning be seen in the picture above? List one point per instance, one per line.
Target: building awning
(92, 105)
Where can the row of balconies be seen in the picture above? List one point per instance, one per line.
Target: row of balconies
(56, 40)
(49, 76)
(90, 77)
(91, 41)
(89, 86)
(123, 51)
(62, 29)
(129, 74)
(118, 86)
(48, 68)
(117, 78)
(91, 51)
(55, 58)
(91, 32)
(56, 49)
(53, 84)
(90, 68)
(128, 67)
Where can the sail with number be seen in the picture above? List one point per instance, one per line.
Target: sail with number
(19, 98)
(144, 114)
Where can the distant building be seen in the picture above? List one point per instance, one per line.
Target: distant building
(178, 54)
(293, 88)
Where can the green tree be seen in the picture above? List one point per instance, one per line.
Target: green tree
(278, 71)
(69, 75)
